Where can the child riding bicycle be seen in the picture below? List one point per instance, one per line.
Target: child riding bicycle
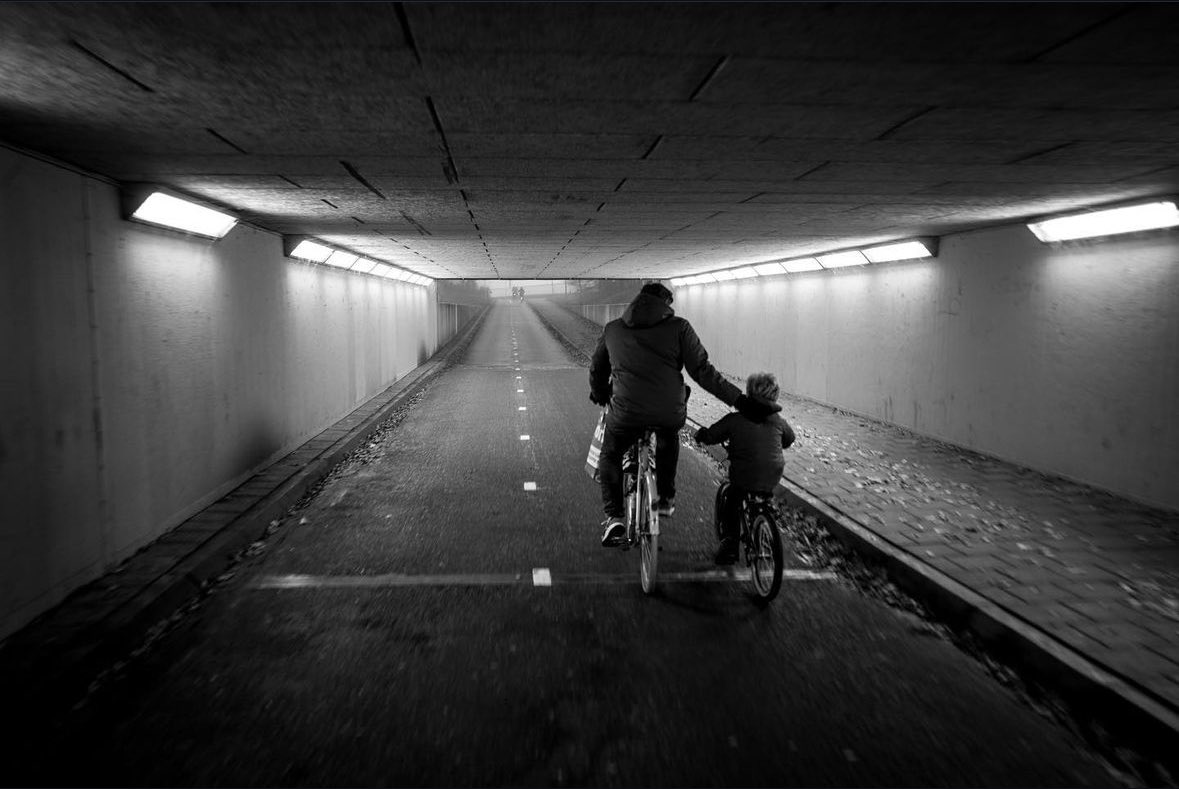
(755, 455)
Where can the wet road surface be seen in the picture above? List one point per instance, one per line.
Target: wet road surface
(441, 613)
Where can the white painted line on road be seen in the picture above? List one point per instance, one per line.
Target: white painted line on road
(529, 486)
(744, 574)
(525, 437)
(387, 579)
(503, 579)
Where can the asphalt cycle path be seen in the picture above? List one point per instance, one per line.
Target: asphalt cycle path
(440, 613)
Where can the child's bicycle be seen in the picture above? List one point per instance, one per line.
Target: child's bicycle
(642, 519)
(760, 540)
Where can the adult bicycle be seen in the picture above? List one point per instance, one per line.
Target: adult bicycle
(642, 518)
(760, 538)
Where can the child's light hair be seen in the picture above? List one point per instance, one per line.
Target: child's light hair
(763, 387)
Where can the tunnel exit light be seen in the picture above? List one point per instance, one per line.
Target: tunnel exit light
(1110, 222)
(172, 212)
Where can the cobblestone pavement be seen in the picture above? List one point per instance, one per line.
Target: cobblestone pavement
(1097, 572)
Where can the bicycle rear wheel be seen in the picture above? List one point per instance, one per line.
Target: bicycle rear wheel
(763, 554)
(648, 523)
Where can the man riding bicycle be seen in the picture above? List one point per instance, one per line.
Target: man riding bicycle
(636, 371)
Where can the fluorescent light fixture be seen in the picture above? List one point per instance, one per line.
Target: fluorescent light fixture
(363, 265)
(722, 276)
(745, 272)
(172, 212)
(840, 259)
(341, 259)
(902, 250)
(767, 269)
(309, 250)
(1130, 219)
(801, 264)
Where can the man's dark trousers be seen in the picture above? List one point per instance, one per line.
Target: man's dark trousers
(620, 438)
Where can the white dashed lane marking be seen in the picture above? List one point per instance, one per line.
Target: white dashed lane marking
(529, 486)
(525, 437)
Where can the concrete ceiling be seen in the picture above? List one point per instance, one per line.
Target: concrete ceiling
(563, 140)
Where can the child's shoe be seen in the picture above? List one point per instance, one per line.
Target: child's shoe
(727, 552)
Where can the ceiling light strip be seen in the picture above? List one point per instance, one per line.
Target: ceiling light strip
(881, 253)
(1107, 222)
(315, 252)
(174, 213)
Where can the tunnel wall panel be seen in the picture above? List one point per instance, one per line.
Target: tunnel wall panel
(208, 361)
(602, 313)
(453, 317)
(49, 450)
(1061, 358)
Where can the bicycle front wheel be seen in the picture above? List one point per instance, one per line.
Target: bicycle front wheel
(718, 513)
(763, 554)
(648, 521)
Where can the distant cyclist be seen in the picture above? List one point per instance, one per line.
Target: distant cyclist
(755, 455)
(636, 371)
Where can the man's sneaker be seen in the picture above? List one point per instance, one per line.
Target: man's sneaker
(727, 553)
(665, 507)
(615, 533)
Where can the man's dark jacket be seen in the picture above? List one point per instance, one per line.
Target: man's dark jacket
(645, 350)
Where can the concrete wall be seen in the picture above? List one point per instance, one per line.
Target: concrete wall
(603, 313)
(452, 317)
(144, 373)
(1061, 358)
